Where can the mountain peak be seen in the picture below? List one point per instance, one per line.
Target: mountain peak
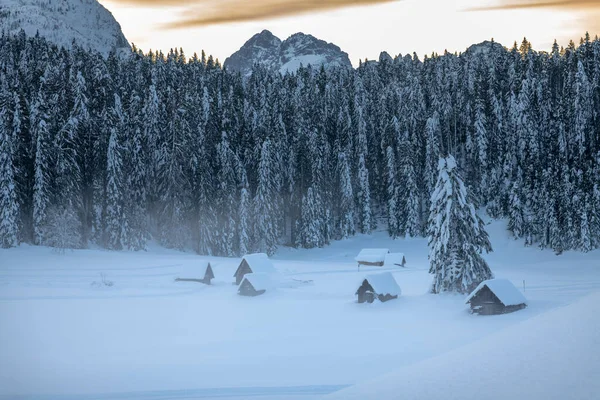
(85, 22)
(265, 38)
(484, 47)
(299, 49)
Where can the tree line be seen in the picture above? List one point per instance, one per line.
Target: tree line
(121, 150)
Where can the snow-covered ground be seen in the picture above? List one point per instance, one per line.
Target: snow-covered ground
(148, 337)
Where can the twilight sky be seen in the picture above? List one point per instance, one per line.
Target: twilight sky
(362, 28)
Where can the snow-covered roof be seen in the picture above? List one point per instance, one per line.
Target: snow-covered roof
(383, 283)
(504, 290)
(260, 263)
(195, 270)
(372, 255)
(259, 281)
(392, 259)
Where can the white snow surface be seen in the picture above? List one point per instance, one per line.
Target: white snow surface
(86, 22)
(148, 337)
(553, 356)
(383, 283)
(259, 281)
(304, 60)
(196, 270)
(372, 255)
(260, 263)
(504, 290)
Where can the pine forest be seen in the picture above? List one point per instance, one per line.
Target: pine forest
(120, 151)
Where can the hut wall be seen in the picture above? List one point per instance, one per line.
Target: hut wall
(208, 275)
(365, 293)
(371, 264)
(486, 303)
(242, 270)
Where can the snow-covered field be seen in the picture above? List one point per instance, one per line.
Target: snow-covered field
(148, 337)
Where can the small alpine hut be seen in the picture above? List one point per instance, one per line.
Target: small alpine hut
(371, 257)
(253, 263)
(496, 296)
(397, 259)
(254, 284)
(378, 286)
(205, 271)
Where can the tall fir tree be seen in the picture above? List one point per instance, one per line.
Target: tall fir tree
(115, 223)
(456, 235)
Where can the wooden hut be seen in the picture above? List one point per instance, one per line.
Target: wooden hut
(253, 263)
(255, 284)
(496, 296)
(204, 274)
(371, 257)
(378, 286)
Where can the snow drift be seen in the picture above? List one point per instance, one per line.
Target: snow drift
(547, 357)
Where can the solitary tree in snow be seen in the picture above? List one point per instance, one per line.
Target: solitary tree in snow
(456, 235)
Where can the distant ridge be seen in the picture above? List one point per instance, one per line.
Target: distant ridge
(299, 49)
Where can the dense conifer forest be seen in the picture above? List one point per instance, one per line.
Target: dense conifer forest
(118, 151)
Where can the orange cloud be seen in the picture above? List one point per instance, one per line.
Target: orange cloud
(211, 12)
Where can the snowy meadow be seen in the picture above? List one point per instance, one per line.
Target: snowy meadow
(66, 334)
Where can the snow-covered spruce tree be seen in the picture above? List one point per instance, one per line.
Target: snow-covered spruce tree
(244, 222)
(114, 224)
(393, 193)
(364, 197)
(412, 205)
(584, 109)
(479, 158)
(9, 207)
(265, 230)
(312, 229)
(42, 160)
(456, 235)
(136, 177)
(432, 150)
(346, 198)
(227, 198)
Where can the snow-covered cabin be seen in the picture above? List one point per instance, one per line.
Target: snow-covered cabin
(496, 296)
(395, 259)
(253, 263)
(372, 257)
(378, 286)
(255, 284)
(202, 274)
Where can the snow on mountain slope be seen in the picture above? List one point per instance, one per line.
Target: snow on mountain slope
(262, 48)
(546, 357)
(86, 22)
(299, 49)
